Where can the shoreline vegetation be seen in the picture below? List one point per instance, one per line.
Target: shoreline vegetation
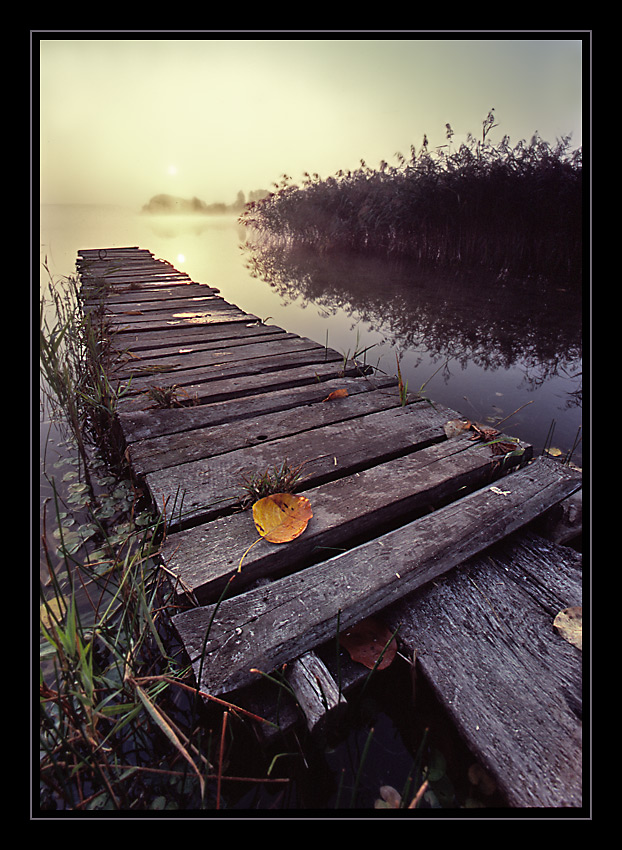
(515, 209)
(165, 204)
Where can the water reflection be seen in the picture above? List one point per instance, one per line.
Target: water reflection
(493, 346)
(468, 318)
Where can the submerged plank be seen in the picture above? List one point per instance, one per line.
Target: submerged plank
(358, 506)
(265, 627)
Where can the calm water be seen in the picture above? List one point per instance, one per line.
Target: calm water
(494, 348)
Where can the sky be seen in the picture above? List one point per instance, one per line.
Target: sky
(124, 118)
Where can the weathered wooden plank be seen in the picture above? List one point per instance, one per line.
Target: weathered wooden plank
(149, 424)
(317, 693)
(144, 279)
(129, 295)
(116, 249)
(173, 449)
(267, 626)
(167, 300)
(217, 310)
(248, 367)
(200, 365)
(515, 695)
(232, 387)
(172, 353)
(170, 321)
(210, 485)
(206, 557)
(148, 310)
(138, 341)
(130, 361)
(123, 272)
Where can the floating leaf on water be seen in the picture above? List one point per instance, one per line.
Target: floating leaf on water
(366, 642)
(391, 798)
(554, 452)
(78, 487)
(48, 610)
(281, 517)
(569, 624)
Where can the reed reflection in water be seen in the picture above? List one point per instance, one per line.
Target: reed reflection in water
(495, 344)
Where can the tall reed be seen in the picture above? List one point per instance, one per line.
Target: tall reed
(515, 209)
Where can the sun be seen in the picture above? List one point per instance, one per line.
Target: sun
(172, 170)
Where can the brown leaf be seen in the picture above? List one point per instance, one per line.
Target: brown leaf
(366, 641)
(455, 427)
(336, 394)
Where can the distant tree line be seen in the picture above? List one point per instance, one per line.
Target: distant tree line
(515, 209)
(173, 205)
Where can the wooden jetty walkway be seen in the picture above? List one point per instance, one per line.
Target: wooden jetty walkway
(414, 520)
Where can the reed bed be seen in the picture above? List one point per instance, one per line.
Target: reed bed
(512, 208)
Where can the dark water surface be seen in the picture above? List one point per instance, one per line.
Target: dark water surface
(483, 348)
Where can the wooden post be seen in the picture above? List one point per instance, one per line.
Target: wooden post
(317, 693)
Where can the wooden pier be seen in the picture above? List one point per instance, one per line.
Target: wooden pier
(416, 519)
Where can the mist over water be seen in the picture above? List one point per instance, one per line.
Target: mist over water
(482, 349)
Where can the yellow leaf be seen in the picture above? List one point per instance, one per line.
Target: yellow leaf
(281, 517)
(554, 452)
(569, 624)
(50, 609)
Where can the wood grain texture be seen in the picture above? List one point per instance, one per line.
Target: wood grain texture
(485, 641)
(267, 626)
(360, 505)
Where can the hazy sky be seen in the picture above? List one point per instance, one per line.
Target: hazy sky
(124, 119)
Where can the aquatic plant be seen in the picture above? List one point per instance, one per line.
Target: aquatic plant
(515, 209)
